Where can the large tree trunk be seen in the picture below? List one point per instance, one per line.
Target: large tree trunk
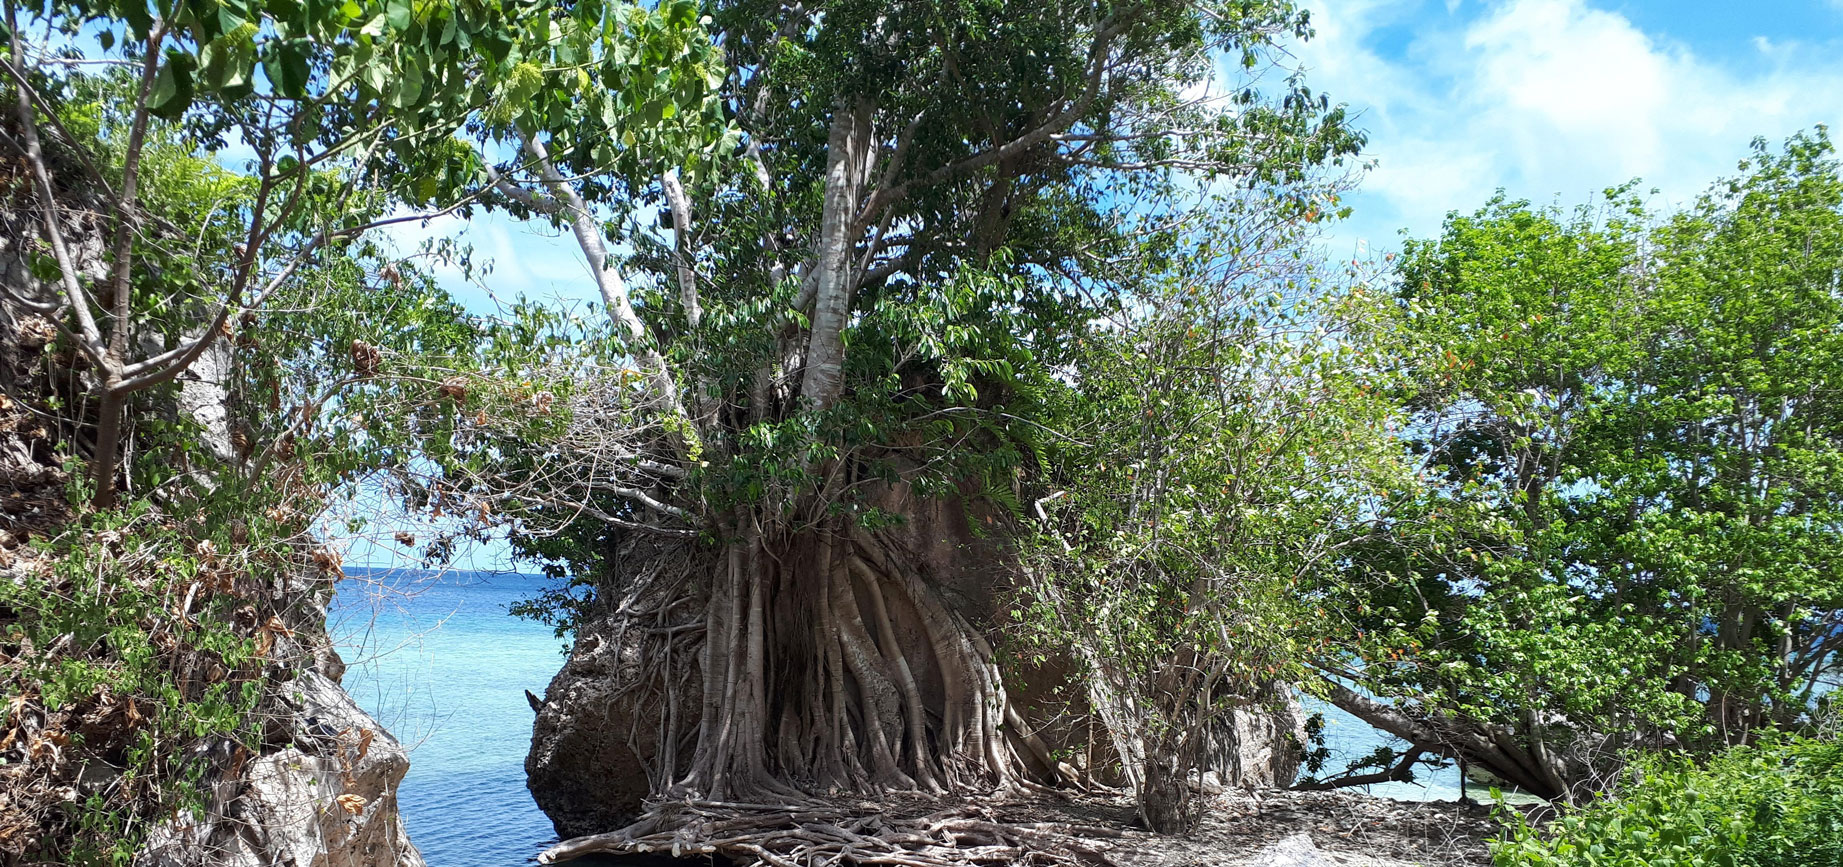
(835, 255)
(832, 664)
(1550, 761)
(782, 663)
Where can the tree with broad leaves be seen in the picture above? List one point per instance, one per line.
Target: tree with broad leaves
(361, 102)
(1629, 534)
(838, 349)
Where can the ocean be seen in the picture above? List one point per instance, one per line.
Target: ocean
(438, 661)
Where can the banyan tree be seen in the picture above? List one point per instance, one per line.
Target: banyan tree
(841, 301)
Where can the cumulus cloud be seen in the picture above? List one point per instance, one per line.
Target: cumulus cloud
(1547, 99)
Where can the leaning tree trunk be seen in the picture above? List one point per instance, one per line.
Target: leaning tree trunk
(1552, 762)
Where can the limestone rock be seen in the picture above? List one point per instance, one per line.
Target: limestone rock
(596, 732)
(328, 799)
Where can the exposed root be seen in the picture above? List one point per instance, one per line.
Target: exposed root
(910, 833)
(1240, 829)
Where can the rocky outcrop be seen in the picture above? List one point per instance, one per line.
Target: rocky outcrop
(1260, 746)
(597, 734)
(317, 788)
(323, 792)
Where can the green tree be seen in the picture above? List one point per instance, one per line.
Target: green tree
(1229, 435)
(1629, 532)
(150, 642)
(854, 329)
(225, 345)
(351, 112)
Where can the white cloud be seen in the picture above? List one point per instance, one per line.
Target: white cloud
(1548, 98)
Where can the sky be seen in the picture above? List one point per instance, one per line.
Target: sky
(1556, 100)
(1550, 100)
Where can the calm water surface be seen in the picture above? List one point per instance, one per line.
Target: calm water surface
(441, 664)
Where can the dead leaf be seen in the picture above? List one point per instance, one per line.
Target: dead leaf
(276, 626)
(352, 804)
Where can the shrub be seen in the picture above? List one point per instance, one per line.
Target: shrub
(1778, 803)
(134, 651)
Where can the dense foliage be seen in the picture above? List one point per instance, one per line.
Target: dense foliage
(1227, 434)
(1777, 803)
(182, 320)
(1629, 530)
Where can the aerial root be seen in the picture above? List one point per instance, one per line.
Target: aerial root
(826, 833)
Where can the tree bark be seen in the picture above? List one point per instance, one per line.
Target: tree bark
(1526, 766)
(830, 662)
(835, 250)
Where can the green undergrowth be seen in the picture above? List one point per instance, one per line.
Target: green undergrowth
(135, 647)
(1778, 803)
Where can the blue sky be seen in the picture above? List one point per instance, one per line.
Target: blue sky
(1552, 100)
(1557, 99)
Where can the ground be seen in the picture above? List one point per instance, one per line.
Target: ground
(1260, 829)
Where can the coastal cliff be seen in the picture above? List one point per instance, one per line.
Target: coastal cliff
(271, 761)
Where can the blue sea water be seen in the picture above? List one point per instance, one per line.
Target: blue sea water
(441, 664)
(438, 661)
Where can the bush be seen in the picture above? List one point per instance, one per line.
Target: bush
(134, 651)
(1778, 803)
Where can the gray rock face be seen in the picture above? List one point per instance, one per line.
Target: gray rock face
(1261, 746)
(323, 794)
(597, 731)
(327, 800)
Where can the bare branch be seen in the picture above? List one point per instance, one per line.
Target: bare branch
(607, 279)
(125, 204)
(681, 241)
(91, 345)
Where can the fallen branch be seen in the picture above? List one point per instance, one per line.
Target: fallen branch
(1398, 773)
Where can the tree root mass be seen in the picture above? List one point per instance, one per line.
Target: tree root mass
(920, 831)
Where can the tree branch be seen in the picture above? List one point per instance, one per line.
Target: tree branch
(125, 206)
(1399, 773)
(681, 241)
(609, 281)
(91, 345)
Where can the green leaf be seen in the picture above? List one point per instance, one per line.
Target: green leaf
(399, 13)
(140, 21)
(289, 71)
(680, 13)
(229, 17)
(409, 86)
(172, 93)
(226, 62)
